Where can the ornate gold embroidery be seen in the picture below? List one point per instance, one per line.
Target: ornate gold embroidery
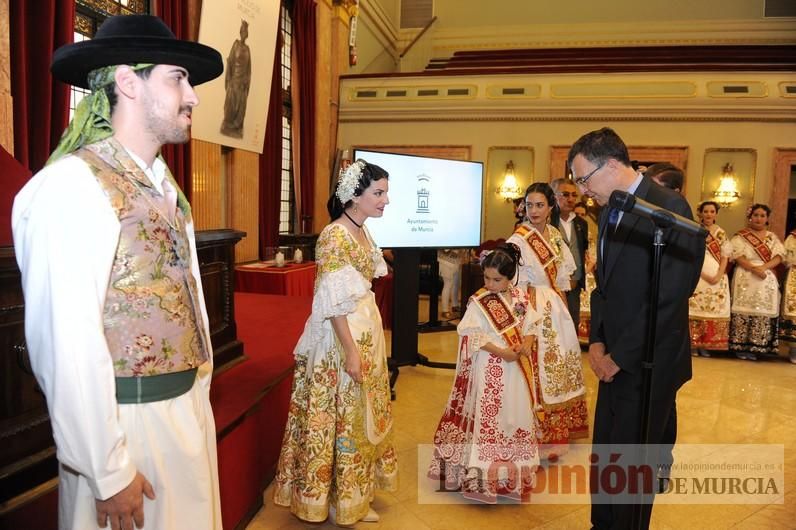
(562, 369)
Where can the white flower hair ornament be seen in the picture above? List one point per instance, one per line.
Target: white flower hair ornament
(348, 181)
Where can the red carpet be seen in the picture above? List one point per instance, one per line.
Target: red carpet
(269, 327)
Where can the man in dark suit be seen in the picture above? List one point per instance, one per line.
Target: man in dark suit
(619, 311)
(575, 232)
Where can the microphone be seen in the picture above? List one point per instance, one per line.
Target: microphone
(663, 218)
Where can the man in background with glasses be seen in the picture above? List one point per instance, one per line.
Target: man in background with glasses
(575, 232)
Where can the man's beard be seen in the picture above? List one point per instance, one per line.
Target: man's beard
(167, 131)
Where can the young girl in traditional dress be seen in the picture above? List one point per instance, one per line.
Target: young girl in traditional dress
(545, 269)
(788, 320)
(486, 441)
(709, 306)
(337, 447)
(755, 289)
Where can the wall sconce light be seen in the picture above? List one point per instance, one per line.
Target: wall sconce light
(727, 192)
(510, 189)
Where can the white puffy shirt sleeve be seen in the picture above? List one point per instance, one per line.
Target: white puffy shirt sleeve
(65, 236)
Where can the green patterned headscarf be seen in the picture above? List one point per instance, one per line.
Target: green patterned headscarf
(92, 120)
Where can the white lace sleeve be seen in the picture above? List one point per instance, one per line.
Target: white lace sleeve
(338, 293)
(790, 251)
(738, 247)
(726, 249)
(472, 326)
(566, 269)
(777, 248)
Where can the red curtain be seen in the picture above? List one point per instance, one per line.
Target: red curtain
(178, 156)
(271, 160)
(304, 32)
(41, 104)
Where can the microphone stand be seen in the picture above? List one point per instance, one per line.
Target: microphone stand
(647, 370)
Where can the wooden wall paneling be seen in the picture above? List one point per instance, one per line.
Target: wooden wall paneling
(455, 152)
(784, 160)
(6, 103)
(207, 197)
(244, 196)
(558, 162)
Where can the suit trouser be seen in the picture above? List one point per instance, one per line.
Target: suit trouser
(573, 304)
(617, 420)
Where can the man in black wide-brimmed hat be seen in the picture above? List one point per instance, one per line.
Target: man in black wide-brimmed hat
(116, 325)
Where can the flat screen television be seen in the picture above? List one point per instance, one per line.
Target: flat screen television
(434, 202)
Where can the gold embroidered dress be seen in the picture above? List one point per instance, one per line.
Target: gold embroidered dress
(337, 447)
(489, 422)
(755, 301)
(544, 273)
(788, 320)
(709, 306)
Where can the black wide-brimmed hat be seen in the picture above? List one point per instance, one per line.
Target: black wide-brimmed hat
(131, 39)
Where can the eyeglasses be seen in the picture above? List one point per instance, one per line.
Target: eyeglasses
(568, 194)
(580, 181)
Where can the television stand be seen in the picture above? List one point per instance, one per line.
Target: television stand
(405, 315)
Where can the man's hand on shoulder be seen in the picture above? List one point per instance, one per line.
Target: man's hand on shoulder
(127, 506)
(601, 363)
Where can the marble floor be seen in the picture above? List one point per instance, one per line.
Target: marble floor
(728, 401)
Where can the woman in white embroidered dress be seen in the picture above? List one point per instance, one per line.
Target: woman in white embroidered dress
(547, 265)
(584, 324)
(788, 318)
(709, 306)
(755, 289)
(489, 424)
(337, 446)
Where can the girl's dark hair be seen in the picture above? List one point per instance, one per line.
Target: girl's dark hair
(759, 206)
(505, 258)
(545, 189)
(705, 203)
(370, 173)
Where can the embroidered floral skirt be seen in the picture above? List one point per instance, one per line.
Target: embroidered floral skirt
(559, 351)
(562, 423)
(709, 334)
(327, 457)
(486, 442)
(755, 334)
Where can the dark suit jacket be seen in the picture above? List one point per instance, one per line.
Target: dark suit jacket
(581, 230)
(620, 302)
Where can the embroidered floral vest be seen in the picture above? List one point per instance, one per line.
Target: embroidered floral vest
(151, 307)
